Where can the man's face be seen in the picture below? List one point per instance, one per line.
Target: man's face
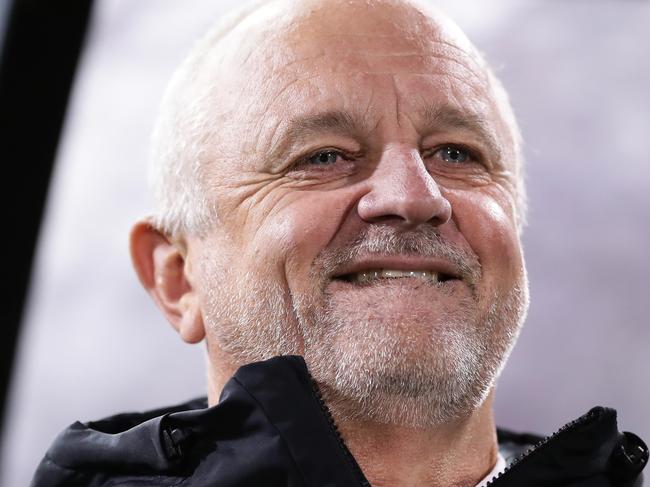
(364, 183)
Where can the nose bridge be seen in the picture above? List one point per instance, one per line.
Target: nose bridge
(402, 188)
(407, 168)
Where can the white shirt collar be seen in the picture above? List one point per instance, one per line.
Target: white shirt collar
(498, 468)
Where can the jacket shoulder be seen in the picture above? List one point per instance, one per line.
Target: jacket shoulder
(89, 454)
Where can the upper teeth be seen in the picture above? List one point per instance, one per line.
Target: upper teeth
(366, 276)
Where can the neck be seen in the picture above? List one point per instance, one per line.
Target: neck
(220, 368)
(457, 454)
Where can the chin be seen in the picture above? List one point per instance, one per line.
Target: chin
(430, 367)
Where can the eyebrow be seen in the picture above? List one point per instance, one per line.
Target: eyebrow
(331, 121)
(304, 127)
(434, 118)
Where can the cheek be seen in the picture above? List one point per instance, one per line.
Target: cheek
(488, 225)
(290, 238)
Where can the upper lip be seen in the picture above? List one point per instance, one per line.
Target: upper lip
(398, 262)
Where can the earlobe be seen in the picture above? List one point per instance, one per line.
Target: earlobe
(191, 326)
(160, 265)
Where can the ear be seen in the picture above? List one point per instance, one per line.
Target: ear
(164, 272)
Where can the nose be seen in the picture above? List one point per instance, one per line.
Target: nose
(402, 189)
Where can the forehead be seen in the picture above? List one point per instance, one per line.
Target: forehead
(354, 38)
(385, 61)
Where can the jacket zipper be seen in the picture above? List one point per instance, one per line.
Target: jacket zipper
(516, 463)
(532, 451)
(363, 482)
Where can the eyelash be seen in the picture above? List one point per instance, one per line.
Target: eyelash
(304, 161)
(473, 155)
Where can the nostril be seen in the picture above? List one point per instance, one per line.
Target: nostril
(404, 193)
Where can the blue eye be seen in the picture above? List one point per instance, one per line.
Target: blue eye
(453, 154)
(324, 158)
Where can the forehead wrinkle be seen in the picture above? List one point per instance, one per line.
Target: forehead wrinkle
(435, 117)
(462, 59)
(348, 59)
(332, 121)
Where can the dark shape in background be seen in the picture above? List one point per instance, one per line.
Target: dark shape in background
(42, 44)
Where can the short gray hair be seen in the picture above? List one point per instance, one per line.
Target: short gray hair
(180, 137)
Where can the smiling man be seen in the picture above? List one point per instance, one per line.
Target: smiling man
(340, 205)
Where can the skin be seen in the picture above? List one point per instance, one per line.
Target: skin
(412, 85)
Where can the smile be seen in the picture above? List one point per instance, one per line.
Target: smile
(371, 275)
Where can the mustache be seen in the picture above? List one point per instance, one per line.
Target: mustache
(387, 241)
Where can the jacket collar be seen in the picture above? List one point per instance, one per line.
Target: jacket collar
(271, 415)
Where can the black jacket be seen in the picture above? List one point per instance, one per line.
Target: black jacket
(272, 429)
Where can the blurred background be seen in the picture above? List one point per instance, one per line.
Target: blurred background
(90, 342)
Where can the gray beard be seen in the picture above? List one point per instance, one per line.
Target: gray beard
(368, 372)
(367, 369)
(249, 320)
